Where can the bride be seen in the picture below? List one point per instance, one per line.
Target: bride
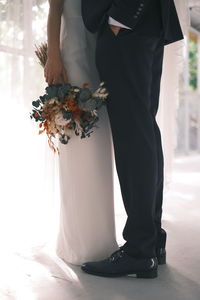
(87, 228)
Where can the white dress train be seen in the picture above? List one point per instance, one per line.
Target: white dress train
(86, 224)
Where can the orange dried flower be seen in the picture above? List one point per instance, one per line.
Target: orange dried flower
(41, 131)
(36, 115)
(71, 103)
(77, 113)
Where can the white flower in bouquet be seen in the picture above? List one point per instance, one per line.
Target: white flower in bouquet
(53, 100)
(59, 120)
(67, 131)
(52, 127)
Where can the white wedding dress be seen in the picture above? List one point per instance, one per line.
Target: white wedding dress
(86, 224)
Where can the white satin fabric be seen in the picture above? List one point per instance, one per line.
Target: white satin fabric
(87, 228)
(169, 96)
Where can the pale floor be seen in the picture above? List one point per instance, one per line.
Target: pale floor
(45, 277)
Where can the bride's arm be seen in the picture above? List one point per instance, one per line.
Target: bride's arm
(54, 70)
(53, 27)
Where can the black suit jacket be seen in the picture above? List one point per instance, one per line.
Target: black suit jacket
(144, 16)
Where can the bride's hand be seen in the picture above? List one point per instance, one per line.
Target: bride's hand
(115, 29)
(54, 71)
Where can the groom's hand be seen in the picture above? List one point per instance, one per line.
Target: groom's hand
(115, 29)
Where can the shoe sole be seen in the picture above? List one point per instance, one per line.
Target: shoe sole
(145, 274)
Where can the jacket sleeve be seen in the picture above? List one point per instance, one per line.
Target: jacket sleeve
(128, 12)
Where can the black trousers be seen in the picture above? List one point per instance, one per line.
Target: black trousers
(131, 65)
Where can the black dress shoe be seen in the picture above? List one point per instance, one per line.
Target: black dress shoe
(160, 246)
(121, 264)
(160, 254)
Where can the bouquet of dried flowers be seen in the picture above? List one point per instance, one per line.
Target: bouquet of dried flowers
(65, 110)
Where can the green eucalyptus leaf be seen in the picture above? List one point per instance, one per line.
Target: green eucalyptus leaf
(66, 114)
(36, 103)
(52, 91)
(81, 105)
(90, 104)
(84, 94)
(99, 103)
(63, 90)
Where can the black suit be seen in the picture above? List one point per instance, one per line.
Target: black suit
(131, 65)
(127, 12)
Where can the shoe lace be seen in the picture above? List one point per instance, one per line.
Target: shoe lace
(116, 255)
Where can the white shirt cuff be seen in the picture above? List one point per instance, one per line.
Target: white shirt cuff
(116, 23)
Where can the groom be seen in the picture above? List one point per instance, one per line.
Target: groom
(129, 56)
